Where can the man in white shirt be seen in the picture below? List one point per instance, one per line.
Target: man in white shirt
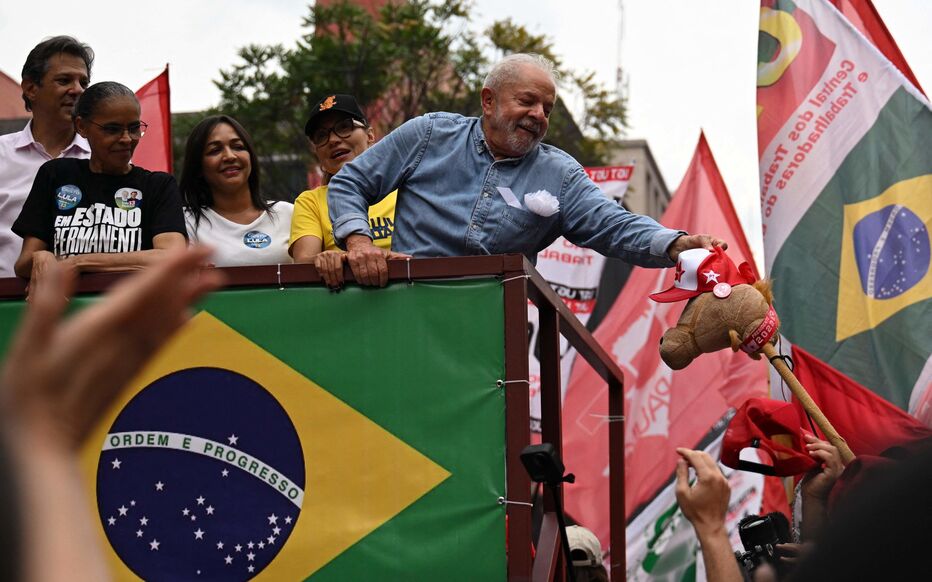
(55, 74)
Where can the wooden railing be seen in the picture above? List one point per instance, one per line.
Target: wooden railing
(521, 282)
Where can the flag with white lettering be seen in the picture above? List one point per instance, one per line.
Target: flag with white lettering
(663, 409)
(574, 273)
(846, 196)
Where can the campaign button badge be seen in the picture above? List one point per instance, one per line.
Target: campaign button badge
(722, 290)
(255, 239)
(128, 198)
(67, 196)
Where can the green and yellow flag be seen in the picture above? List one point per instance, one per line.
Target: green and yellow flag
(296, 434)
(846, 197)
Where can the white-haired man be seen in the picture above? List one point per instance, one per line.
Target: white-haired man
(472, 186)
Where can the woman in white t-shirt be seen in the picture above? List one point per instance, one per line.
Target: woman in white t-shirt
(223, 205)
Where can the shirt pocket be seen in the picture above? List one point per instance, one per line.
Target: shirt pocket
(518, 231)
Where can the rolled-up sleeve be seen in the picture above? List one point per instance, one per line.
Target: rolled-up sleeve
(590, 219)
(373, 175)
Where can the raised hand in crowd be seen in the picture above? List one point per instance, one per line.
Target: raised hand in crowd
(817, 485)
(60, 376)
(705, 504)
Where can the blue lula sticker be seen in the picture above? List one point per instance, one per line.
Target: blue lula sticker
(67, 196)
(255, 239)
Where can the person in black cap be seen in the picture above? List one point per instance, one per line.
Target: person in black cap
(338, 132)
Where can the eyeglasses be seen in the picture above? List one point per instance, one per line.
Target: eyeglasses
(135, 130)
(343, 128)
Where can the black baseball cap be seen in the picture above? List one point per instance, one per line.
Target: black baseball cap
(337, 102)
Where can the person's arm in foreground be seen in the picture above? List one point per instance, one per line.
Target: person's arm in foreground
(704, 505)
(60, 376)
(362, 183)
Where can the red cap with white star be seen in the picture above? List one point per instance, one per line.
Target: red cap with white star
(699, 271)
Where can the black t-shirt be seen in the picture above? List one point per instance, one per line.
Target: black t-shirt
(76, 211)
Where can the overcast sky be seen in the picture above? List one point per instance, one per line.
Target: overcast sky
(690, 64)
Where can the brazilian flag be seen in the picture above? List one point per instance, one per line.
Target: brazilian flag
(290, 434)
(846, 192)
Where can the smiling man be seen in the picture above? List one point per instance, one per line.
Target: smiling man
(55, 74)
(475, 186)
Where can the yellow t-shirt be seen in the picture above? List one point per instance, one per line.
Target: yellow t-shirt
(312, 218)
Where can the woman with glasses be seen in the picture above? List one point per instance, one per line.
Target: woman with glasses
(223, 204)
(338, 132)
(104, 213)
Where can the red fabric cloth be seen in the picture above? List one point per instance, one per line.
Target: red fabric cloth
(868, 423)
(154, 151)
(663, 409)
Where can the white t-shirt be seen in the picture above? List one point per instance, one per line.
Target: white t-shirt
(262, 242)
(20, 158)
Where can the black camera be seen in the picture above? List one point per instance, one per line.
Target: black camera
(759, 535)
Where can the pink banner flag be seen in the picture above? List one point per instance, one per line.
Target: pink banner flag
(663, 409)
(154, 151)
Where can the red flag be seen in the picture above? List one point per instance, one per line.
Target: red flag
(664, 409)
(154, 151)
(864, 17)
(848, 405)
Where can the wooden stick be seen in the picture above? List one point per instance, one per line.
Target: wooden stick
(808, 403)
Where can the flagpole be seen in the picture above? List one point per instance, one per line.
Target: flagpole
(808, 403)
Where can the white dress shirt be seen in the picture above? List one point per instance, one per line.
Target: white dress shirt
(20, 158)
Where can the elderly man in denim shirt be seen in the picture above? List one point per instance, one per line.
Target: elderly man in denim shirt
(473, 186)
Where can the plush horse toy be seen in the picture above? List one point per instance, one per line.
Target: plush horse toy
(728, 307)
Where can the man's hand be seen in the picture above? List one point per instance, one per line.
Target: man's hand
(60, 375)
(706, 502)
(694, 241)
(367, 261)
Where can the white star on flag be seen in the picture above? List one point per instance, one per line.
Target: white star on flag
(111, 520)
(159, 486)
(154, 545)
(238, 548)
(261, 545)
(250, 556)
(185, 512)
(198, 534)
(250, 545)
(232, 439)
(251, 569)
(116, 463)
(144, 520)
(200, 500)
(271, 540)
(711, 275)
(219, 545)
(193, 518)
(123, 509)
(224, 472)
(276, 530)
(132, 503)
(228, 559)
(210, 510)
(287, 519)
(138, 533)
(273, 519)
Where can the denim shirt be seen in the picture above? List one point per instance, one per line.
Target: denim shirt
(450, 199)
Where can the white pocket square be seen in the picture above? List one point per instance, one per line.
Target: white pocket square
(542, 203)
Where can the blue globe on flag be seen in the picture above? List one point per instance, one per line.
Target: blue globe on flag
(201, 477)
(892, 251)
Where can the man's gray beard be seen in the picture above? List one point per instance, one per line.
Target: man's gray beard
(514, 141)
